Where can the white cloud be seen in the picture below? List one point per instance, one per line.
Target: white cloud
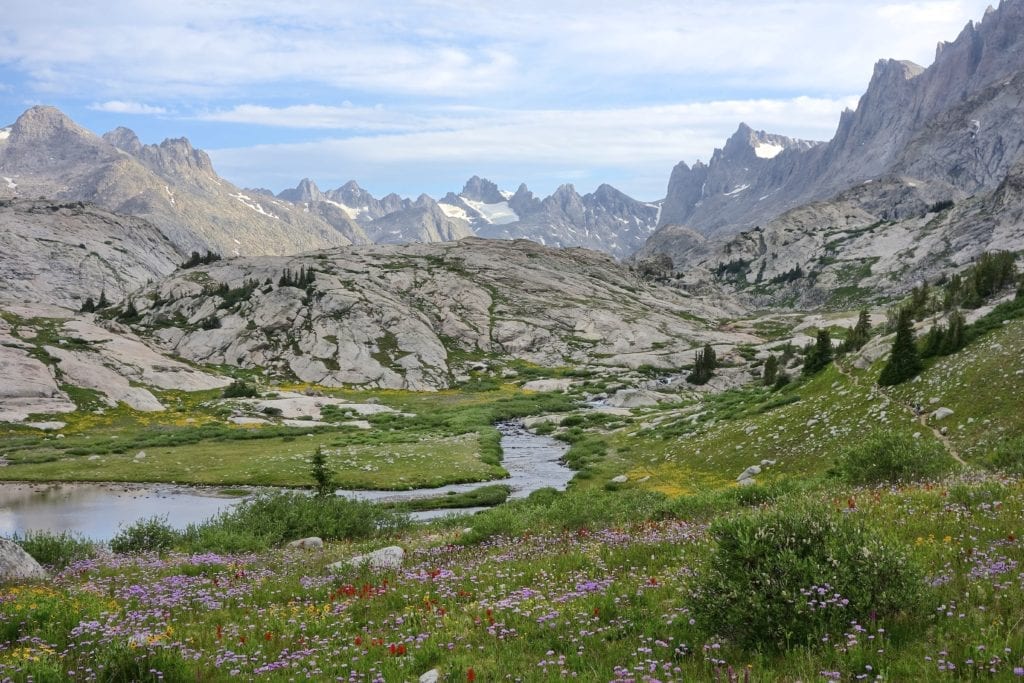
(641, 143)
(461, 49)
(120, 107)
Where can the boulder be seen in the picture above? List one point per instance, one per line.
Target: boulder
(547, 385)
(432, 676)
(621, 479)
(750, 481)
(311, 543)
(749, 473)
(637, 398)
(16, 565)
(390, 557)
(941, 414)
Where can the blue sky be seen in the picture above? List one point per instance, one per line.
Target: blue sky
(417, 96)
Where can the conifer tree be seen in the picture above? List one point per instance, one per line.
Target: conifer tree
(771, 370)
(904, 362)
(819, 355)
(953, 340)
(89, 306)
(322, 474)
(704, 366)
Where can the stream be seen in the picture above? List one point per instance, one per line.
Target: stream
(98, 510)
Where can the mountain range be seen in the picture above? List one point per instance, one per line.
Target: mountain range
(920, 179)
(44, 154)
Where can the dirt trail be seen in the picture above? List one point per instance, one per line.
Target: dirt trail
(921, 418)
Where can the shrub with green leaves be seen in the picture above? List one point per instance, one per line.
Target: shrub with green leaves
(786, 577)
(153, 534)
(884, 457)
(56, 550)
(240, 389)
(272, 519)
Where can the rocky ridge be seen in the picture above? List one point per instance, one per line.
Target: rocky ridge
(414, 316)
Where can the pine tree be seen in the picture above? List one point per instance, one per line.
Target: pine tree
(819, 355)
(861, 331)
(904, 362)
(89, 306)
(932, 345)
(103, 302)
(704, 366)
(953, 340)
(322, 474)
(771, 370)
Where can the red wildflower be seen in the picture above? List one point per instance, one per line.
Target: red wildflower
(470, 674)
(220, 631)
(359, 641)
(268, 636)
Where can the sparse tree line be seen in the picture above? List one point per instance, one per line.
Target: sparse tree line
(197, 259)
(992, 274)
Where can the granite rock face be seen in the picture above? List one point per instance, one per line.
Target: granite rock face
(394, 316)
(956, 125)
(923, 177)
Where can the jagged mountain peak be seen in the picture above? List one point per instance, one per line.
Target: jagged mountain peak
(303, 193)
(482, 190)
(124, 139)
(43, 121)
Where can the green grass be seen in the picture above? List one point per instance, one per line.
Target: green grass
(282, 461)
(484, 496)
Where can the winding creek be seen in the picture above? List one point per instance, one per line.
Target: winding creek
(98, 510)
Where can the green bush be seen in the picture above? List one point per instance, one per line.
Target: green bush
(786, 577)
(569, 510)
(884, 457)
(146, 535)
(275, 518)
(56, 550)
(240, 389)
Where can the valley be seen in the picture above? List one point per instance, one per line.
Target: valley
(767, 427)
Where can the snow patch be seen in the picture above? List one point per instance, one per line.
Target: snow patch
(169, 194)
(737, 190)
(11, 185)
(453, 211)
(5, 133)
(349, 211)
(253, 204)
(495, 214)
(506, 194)
(767, 150)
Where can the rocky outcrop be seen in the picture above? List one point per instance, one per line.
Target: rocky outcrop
(61, 253)
(395, 317)
(387, 558)
(877, 239)
(17, 566)
(40, 354)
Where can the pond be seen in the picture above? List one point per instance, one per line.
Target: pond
(98, 510)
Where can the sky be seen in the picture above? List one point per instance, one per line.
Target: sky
(419, 95)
